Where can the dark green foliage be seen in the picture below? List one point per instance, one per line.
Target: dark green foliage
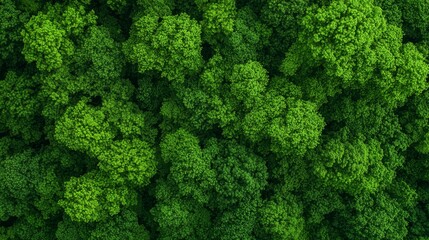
(281, 218)
(121, 226)
(415, 17)
(10, 26)
(20, 106)
(214, 119)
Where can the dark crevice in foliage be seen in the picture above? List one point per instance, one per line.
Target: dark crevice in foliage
(9, 222)
(96, 101)
(207, 51)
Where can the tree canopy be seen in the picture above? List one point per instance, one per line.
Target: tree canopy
(214, 119)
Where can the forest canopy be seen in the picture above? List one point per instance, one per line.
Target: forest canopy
(214, 119)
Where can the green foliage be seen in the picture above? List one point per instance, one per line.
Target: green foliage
(9, 30)
(351, 166)
(214, 119)
(45, 43)
(284, 18)
(20, 106)
(157, 8)
(172, 46)
(248, 82)
(29, 191)
(46, 39)
(383, 218)
(237, 223)
(357, 51)
(218, 17)
(84, 128)
(281, 218)
(99, 51)
(342, 43)
(392, 11)
(75, 20)
(298, 130)
(91, 198)
(241, 175)
(181, 219)
(131, 161)
(190, 170)
(121, 226)
(414, 14)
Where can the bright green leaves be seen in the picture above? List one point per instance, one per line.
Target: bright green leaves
(74, 20)
(94, 70)
(256, 123)
(243, 103)
(246, 42)
(204, 98)
(218, 17)
(172, 46)
(127, 119)
(83, 128)
(351, 166)
(87, 129)
(341, 36)
(411, 74)
(82, 199)
(130, 160)
(180, 210)
(236, 34)
(348, 160)
(417, 122)
(214, 119)
(178, 42)
(45, 43)
(248, 83)
(46, 36)
(402, 70)
(58, 90)
(292, 126)
(91, 129)
(91, 198)
(298, 130)
(115, 135)
(354, 47)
